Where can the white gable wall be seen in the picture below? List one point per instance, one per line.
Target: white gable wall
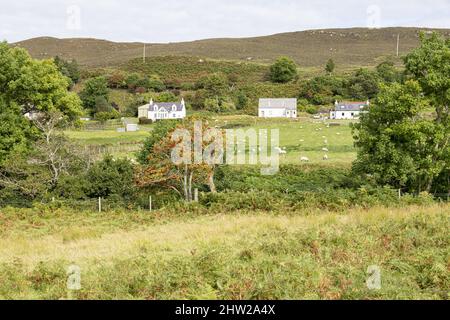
(277, 113)
(345, 115)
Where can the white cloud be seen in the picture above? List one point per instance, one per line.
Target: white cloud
(178, 20)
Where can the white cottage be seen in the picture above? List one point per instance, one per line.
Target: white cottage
(277, 108)
(348, 110)
(163, 110)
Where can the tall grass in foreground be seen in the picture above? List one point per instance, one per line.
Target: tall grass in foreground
(234, 256)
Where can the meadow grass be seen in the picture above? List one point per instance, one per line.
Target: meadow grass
(106, 137)
(241, 255)
(302, 138)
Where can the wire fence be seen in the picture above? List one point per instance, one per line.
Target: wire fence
(98, 151)
(150, 202)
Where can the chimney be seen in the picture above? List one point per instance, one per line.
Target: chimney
(151, 101)
(182, 102)
(336, 103)
(368, 102)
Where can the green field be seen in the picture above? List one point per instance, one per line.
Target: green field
(107, 137)
(304, 137)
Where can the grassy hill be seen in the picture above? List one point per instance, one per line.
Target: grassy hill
(348, 47)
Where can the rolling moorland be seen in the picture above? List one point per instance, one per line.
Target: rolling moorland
(348, 47)
(309, 232)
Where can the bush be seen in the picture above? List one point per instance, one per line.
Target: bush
(111, 177)
(144, 121)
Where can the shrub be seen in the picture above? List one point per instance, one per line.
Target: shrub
(144, 121)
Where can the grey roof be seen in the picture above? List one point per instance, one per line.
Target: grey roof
(290, 104)
(350, 106)
(166, 105)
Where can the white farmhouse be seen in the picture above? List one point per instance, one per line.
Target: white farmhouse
(163, 110)
(348, 110)
(277, 108)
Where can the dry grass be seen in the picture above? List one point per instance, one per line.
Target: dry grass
(306, 255)
(83, 243)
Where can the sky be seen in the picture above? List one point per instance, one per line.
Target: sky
(186, 20)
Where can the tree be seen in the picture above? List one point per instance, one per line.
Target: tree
(283, 70)
(111, 177)
(322, 90)
(242, 100)
(161, 171)
(132, 81)
(387, 71)
(398, 143)
(364, 84)
(159, 132)
(70, 69)
(36, 170)
(330, 66)
(16, 132)
(216, 85)
(156, 84)
(116, 80)
(94, 89)
(34, 85)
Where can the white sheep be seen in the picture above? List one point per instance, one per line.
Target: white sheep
(325, 149)
(304, 159)
(325, 157)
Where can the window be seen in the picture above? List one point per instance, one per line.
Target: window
(343, 114)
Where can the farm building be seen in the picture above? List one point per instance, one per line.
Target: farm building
(348, 110)
(163, 110)
(277, 108)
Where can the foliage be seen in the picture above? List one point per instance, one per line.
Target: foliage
(283, 70)
(163, 171)
(70, 69)
(111, 177)
(160, 130)
(363, 84)
(387, 71)
(330, 66)
(16, 132)
(94, 89)
(397, 144)
(34, 85)
(323, 90)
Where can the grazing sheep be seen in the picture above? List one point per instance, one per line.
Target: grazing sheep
(325, 149)
(338, 133)
(325, 157)
(304, 159)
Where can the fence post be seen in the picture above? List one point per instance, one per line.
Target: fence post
(99, 204)
(150, 203)
(399, 193)
(196, 195)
